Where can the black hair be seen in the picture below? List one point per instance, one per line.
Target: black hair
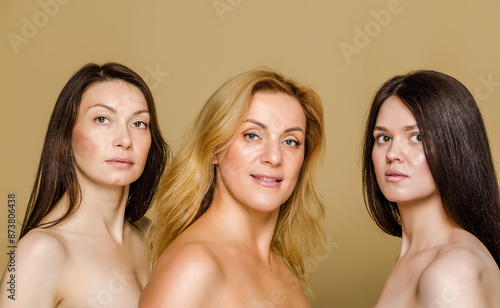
(457, 150)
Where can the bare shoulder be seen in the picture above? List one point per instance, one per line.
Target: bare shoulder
(460, 276)
(44, 246)
(46, 236)
(38, 268)
(186, 275)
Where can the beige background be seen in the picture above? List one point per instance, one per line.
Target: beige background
(186, 49)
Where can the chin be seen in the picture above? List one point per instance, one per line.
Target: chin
(260, 204)
(119, 182)
(396, 197)
(404, 199)
(267, 207)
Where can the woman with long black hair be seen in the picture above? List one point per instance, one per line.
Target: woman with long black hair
(82, 240)
(429, 178)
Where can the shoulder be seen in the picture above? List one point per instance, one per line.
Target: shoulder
(42, 245)
(455, 278)
(38, 268)
(185, 275)
(194, 257)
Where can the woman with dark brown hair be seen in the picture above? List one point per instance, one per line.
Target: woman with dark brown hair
(429, 178)
(82, 241)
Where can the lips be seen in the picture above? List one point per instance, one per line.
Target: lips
(395, 176)
(267, 180)
(120, 162)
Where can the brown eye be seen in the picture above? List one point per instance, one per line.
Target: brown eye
(417, 138)
(139, 124)
(383, 139)
(101, 120)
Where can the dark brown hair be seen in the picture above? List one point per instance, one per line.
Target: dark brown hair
(457, 151)
(56, 172)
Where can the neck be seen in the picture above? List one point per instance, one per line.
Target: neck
(101, 211)
(242, 226)
(424, 224)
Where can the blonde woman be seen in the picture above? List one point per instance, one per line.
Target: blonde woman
(237, 212)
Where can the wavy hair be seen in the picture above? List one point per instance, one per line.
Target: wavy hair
(56, 171)
(187, 186)
(456, 149)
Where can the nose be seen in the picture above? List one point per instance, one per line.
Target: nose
(271, 154)
(122, 137)
(396, 152)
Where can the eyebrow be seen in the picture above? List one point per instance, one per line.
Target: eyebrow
(114, 110)
(264, 126)
(405, 128)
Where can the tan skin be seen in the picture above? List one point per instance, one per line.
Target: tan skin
(95, 258)
(440, 265)
(224, 259)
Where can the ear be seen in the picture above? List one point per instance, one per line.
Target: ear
(215, 160)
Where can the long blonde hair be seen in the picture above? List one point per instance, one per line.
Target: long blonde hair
(186, 189)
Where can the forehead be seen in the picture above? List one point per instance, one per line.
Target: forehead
(114, 93)
(276, 108)
(394, 112)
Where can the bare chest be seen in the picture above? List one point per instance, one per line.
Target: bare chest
(399, 290)
(103, 277)
(262, 287)
(116, 287)
(401, 287)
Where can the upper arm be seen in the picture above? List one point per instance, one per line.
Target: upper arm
(34, 273)
(453, 280)
(185, 277)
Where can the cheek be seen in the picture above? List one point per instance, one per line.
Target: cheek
(420, 160)
(237, 158)
(145, 145)
(378, 160)
(295, 165)
(230, 168)
(84, 144)
(421, 166)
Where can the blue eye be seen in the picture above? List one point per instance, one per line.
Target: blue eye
(250, 136)
(292, 143)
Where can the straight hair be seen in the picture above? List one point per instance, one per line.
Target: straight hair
(457, 151)
(56, 171)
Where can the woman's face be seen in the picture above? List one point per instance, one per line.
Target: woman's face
(261, 166)
(111, 136)
(398, 155)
